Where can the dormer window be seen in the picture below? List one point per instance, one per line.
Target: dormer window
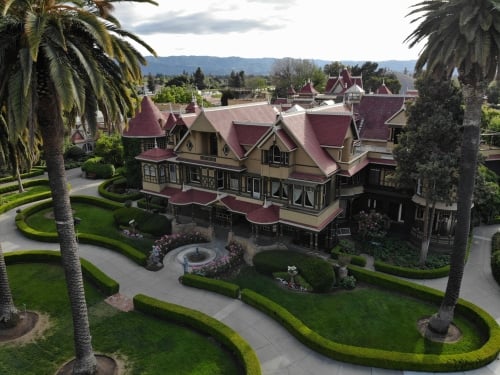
(274, 156)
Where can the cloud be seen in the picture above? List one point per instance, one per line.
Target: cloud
(199, 23)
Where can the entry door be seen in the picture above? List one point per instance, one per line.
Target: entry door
(256, 188)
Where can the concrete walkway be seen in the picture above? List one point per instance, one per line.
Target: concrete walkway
(279, 352)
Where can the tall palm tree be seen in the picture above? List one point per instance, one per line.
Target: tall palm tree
(59, 59)
(460, 36)
(9, 315)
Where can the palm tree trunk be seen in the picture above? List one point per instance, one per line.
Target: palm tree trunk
(52, 130)
(14, 160)
(473, 98)
(9, 315)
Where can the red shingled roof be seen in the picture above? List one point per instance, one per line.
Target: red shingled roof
(265, 215)
(238, 206)
(344, 80)
(308, 89)
(191, 196)
(384, 90)
(302, 131)
(223, 119)
(374, 111)
(156, 154)
(148, 123)
(330, 129)
(250, 134)
(287, 141)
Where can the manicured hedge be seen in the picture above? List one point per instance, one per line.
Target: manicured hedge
(412, 273)
(357, 260)
(205, 324)
(103, 191)
(382, 358)
(495, 256)
(33, 173)
(218, 286)
(147, 222)
(98, 278)
(92, 239)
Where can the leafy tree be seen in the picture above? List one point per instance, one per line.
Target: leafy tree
(333, 69)
(487, 195)
(237, 79)
(199, 79)
(256, 83)
(110, 148)
(180, 80)
(461, 36)
(374, 77)
(151, 83)
(177, 94)
(288, 72)
(422, 155)
(66, 58)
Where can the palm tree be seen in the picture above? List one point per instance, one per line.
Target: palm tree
(59, 59)
(9, 315)
(460, 36)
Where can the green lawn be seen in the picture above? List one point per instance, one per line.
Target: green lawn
(152, 346)
(95, 220)
(365, 316)
(14, 195)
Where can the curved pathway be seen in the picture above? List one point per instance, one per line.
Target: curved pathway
(278, 351)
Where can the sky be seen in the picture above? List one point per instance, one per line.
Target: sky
(366, 30)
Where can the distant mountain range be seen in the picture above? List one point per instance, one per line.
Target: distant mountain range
(211, 65)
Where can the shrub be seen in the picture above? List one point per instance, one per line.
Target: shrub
(74, 153)
(348, 282)
(146, 222)
(95, 167)
(173, 241)
(316, 271)
(495, 265)
(225, 263)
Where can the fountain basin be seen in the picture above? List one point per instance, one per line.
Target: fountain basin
(203, 256)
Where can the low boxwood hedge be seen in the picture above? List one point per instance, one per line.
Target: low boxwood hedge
(155, 224)
(105, 193)
(357, 260)
(218, 286)
(412, 273)
(33, 173)
(382, 358)
(88, 238)
(96, 168)
(205, 324)
(103, 282)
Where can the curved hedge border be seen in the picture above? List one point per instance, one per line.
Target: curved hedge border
(103, 192)
(383, 358)
(205, 324)
(103, 282)
(25, 199)
(411, 273)
(88, 238)
(33, 173)
(218, 286)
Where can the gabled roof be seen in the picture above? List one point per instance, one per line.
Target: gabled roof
(383, 90)
(331, 129)
(259, 116)
(308, 89)
(374, 110)
(342, 82)
(148, 123)
(301, 130)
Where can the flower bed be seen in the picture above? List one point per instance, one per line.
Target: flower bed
(173, 241)
(223, 264)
